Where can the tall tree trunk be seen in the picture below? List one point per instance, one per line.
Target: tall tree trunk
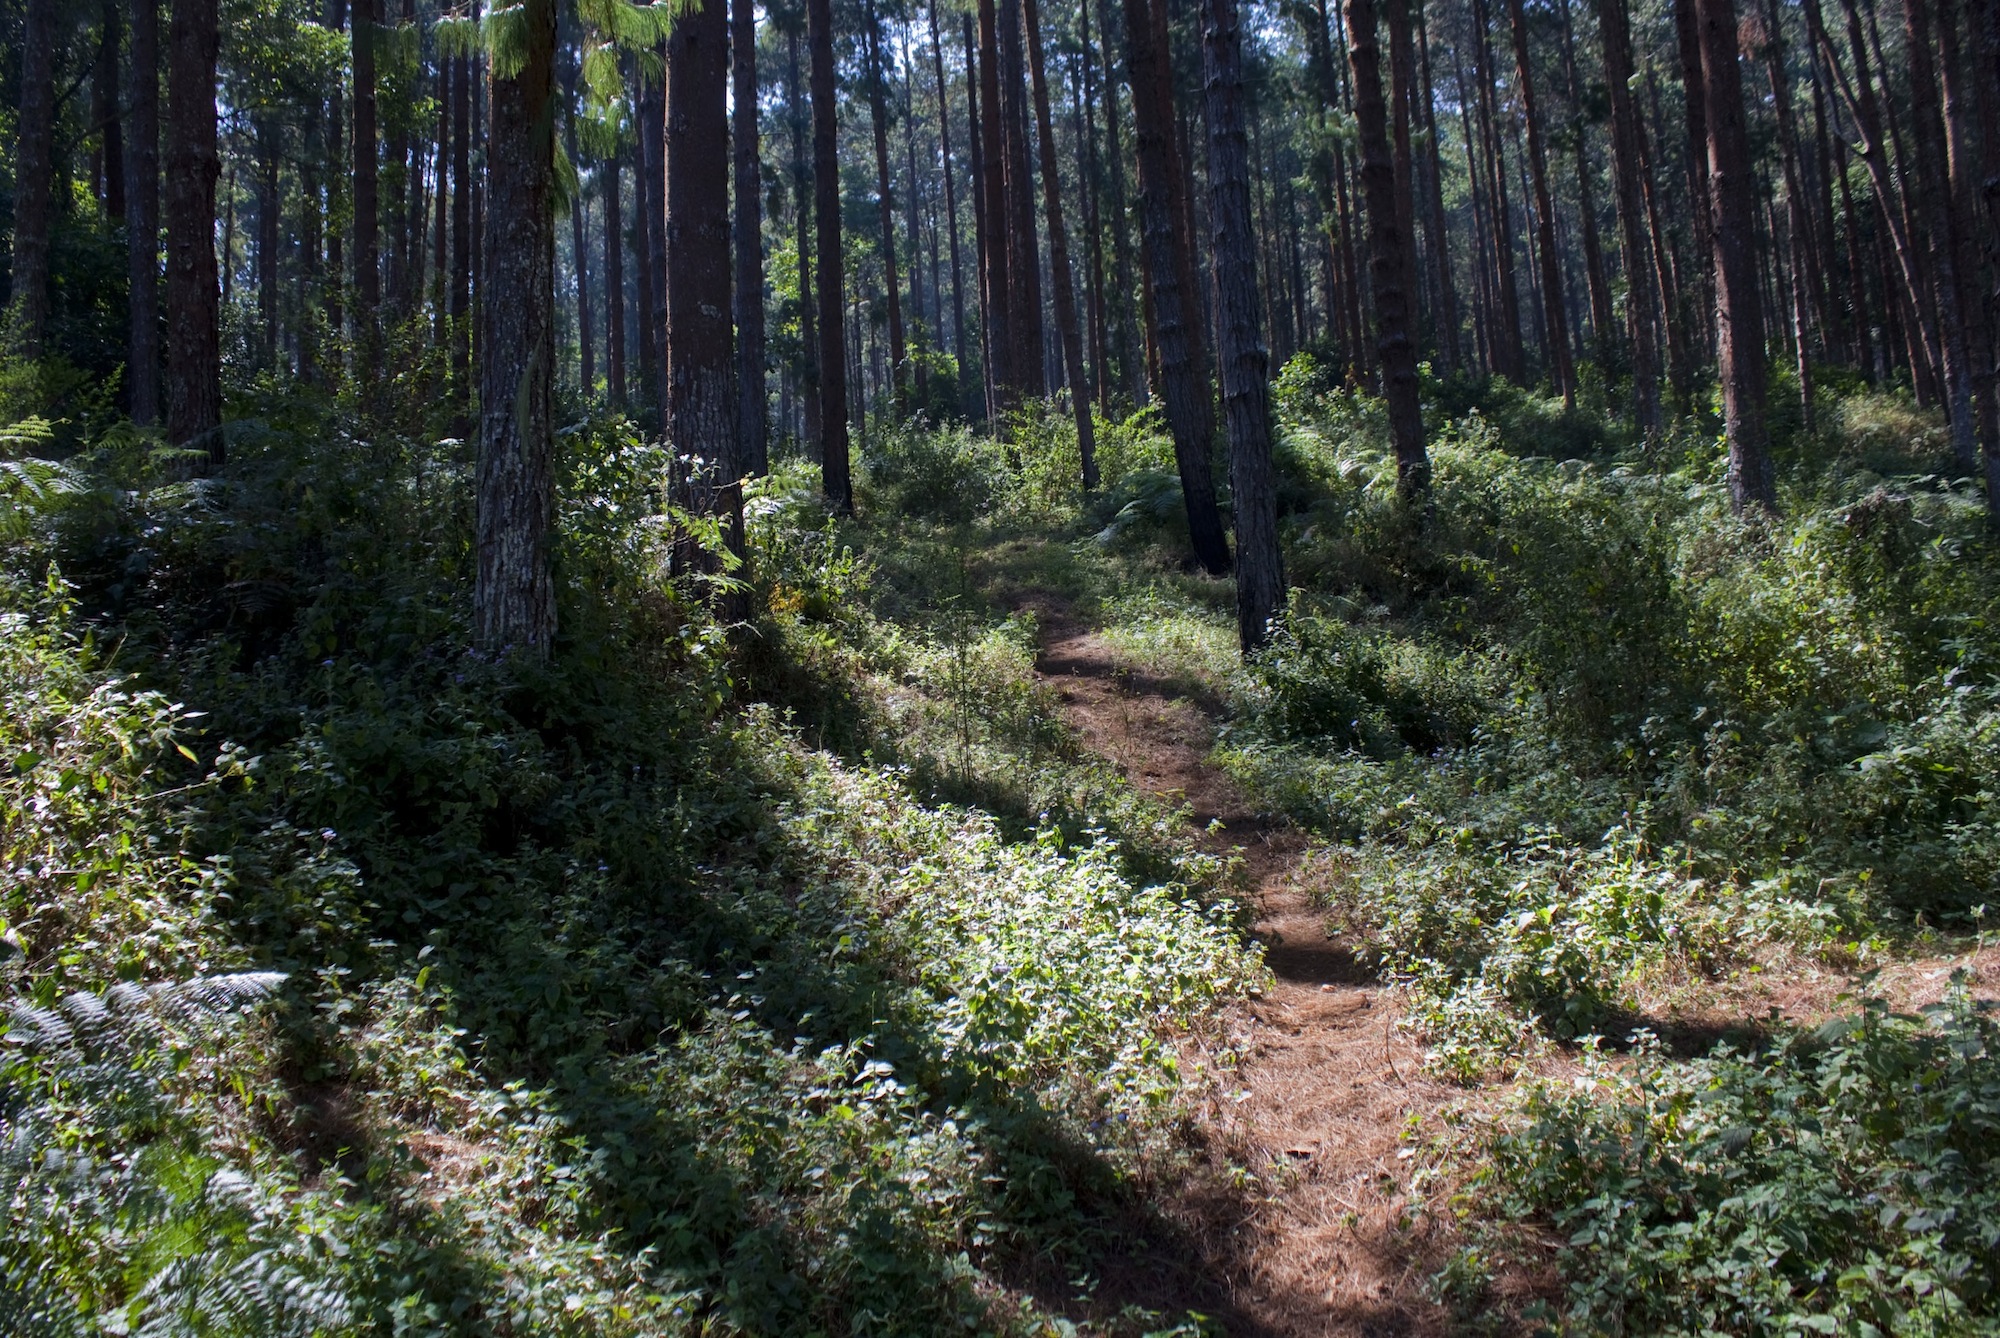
(919, 375)
(1083, 122)
(802, 208)
(992, 177)
(1066, 322)
(142, 216)
(1599, 281)
(701, 362)
(1392, 259)
(1133, 367)
(652, 140)
(441, 228)
(878, 117)
(34, 167)
(1627, 159)
(339, 170)
(1687, 36)
(106, 112)
(832, 286)
(752, 423)
(1170, 287)
(1961, 113)
(1244, 362)
(580, 250)
(194, 339)
(1439, 236)
(647, 206)
(1545, 214)
(1024, 264)
(364, 30)
(1509, 359)
(1938, 219)
(1985, 50)
(614, 276)
(1738, 316)
(514, 594)
(1804, 250)
(461, 241)
(951, 218)
(268, 231)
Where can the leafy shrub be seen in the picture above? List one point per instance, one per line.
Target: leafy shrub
(1842, 1181)
(1326, 680)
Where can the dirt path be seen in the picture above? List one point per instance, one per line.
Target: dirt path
(1316, 1238)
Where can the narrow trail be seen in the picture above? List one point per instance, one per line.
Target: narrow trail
(1315, 1239)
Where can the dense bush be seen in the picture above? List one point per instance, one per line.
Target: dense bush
(1843, 1181)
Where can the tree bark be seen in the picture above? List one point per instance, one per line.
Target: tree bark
(1545, 215)
(461, 240)
(1439, 236)
(1614, 36)
(752, 424)
(885, 198)
(1509, 359)
(834, 474)
(1024, 262)
(514, 595)
(1133, 367)
(802, 182)
(106, 113)
(1938, 220)
(614, 276)
(194, 340)
(701, 384)
(363, 31)
(1392, 251)
(652, 140)
(1169, 271)
(1066, 322)
(1241, 355)
(142, 216)
(951, 218)
(580, 249)
(992, 176)
(267, 244)
(1738, 315)
(34, 167)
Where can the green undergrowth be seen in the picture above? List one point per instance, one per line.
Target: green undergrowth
(798, 977)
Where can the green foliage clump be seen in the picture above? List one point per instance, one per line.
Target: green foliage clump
(1842, 1181)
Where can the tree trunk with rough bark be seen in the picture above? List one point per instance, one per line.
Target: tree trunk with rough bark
(1066, 322)
(1241, 355)
(194, 339)
(1614, 37)
(1739, 319)
(1391, 252)
(752, 423)
(34, 168)
(832, 332)
(142, 216)
(514, 595)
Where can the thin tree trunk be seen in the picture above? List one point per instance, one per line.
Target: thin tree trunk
(919, 375)
(802, 181)
(441, 234)
(1627, 175)
(461, 241)
(1392, 257)
(752, 423)
(1738, 317)
(646, 208)
(1960, 113)
(142, 216)
(951, 217)
(194, 340)
(106, 114)
(1601, 320)
(1687, 36)
(992, 176)
(1509, 359)
(580, 249)
(1938, 220)
(34, 167)
(1133, 368)
(1169, 270)
(652, 139)
(1066, 322)
(878, 117)
(267, 244)
(1244, 362)
(826, 190)
(1545, 215)
(363, 31)
(614, 275)
(514, 596)
(1440, 240)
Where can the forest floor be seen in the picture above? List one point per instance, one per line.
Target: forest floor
(1298, 1220)
(1311, 1212)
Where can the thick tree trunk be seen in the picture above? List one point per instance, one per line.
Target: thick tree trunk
(1024, 261)
(701, 362)
(752, 422)
(647, 206)
(514, 595)
(652, 142)
(832, 285)
(1961, 112)
(1738, 316)
(364, 30)
(1392, 257)
(107, 115)
(142, 216)
(1614, 36)
(34, 185)
(1938, 221)
(461, 241)
(1169, 270)
(878, 118)
(1066, 322)
(1244, 362)
(194, 340)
